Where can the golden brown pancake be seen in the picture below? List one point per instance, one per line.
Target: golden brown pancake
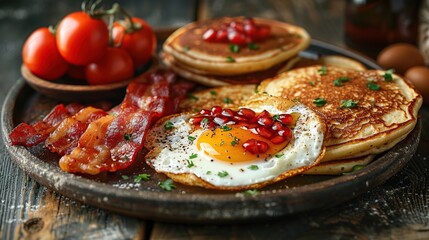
(339, 167)
(187, 47)
(360, 119)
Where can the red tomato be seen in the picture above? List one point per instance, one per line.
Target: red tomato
(140, 44)
(41, 56)
(76, 72)
(115, 66)
(82, 39)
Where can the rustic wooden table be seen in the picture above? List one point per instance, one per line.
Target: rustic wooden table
(397, 209)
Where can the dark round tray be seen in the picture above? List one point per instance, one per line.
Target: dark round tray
(115, 192)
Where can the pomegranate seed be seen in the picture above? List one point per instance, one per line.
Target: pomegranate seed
(251, 146)
(266, 121)
(220, 120)
(239, 118)
(277, 139)
(196, 120)
(285, 118)
(287, 133)
(216, 111)
(277, 126)
(262, 146)
(253, 130)
(251, 31)
(237, 26)
(264, 32)
(249, 21)
(205, 112)
(247, 113)
(210, 35)
(237, 38)
(264, 132)
(227, 113)
(222, 35)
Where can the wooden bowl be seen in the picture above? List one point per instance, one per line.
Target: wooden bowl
(65, 90)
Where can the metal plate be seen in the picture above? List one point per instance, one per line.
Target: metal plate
(147, 200)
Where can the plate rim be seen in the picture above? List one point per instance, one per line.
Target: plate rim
(219, 207)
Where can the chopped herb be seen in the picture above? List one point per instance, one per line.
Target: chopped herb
(230, 59)
(323, 71)
(222, 143)
(319, 102)
(196, 110)
(256, 88)
(191, 138)
(339, 81)
(186, 48)
(373, 86)
(191, 96)
(223, 174)
(167, 185)
(142, 176)
(235, 141)
(253, 46)
(348, 104)
(190, 163)
(205, 121)
(126, 158)
(213, 93)
(312, 83)
(251, 192)
(253, 167)
(276, 117)
(227, 100)
(127, 136)
(168, 125)
(234, 48)
(193, 155)
(279, 155)
(388, 77)
(226, 128)
(209, 172)
(125, 177)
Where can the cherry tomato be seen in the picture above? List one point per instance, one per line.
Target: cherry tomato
(140, 44)
(115, 66)
(82, 39)
(40, 55)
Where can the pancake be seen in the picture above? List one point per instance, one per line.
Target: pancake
(211, 80)
(330, 60)
(187, 47)
(225, 97)
(368, 122)
(339, 167)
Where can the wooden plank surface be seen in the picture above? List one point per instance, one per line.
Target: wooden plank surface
(398, 209)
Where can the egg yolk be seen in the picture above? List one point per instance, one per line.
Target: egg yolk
(228, 145)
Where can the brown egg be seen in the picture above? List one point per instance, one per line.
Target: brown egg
(401, 57)
(419, 76)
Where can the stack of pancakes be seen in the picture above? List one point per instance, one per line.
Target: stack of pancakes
(214, 64)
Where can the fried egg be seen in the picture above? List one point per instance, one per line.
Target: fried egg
(216, 158)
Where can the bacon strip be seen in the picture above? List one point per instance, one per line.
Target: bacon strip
(31, 135)
(112, 142)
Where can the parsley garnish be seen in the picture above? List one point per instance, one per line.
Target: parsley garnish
(388, 75)
(312, 83)
(339, 81)
(141, 176)
(186, 48)
(234, 48)
(323, 71)
(191, 96)
(348, 104)
(279, 155)
(251, 192)
(222, 143)
(373, 86)
(209, 172)
(205, 121)
(223, 174)
(256, 88)
(230, 59)
(227, 100)
(127, 136)
(226, 128)
(190, 163)
(253, 46)
(167, 185)
(125, 177)
(235, 141)
(168, 125)
(253, 167)
(191, 138)
(193, 155)
(319, 102)
(213, 93)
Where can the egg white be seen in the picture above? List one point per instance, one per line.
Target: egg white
(171, 150)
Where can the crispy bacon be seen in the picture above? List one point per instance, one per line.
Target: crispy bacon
(31, 135)
(112, 142)
(66, 136)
